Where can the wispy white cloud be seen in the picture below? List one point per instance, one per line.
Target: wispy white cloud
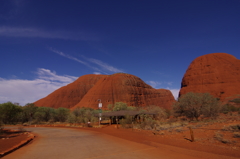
(96, 73)
(169, 83)
(154, 84)
(27, 91)
(103, 66)
(38, 33)
(74, 59)
(49, 75)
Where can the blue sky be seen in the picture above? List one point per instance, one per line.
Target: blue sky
(46, 44)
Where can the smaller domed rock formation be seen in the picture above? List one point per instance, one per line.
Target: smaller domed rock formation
(216, 73)
(122, 87)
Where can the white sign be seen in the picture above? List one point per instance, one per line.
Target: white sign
(100, 105)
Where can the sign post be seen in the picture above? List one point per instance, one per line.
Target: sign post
(100, 111)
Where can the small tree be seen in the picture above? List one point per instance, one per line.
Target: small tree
(160, 113)
(211, 106)
(82, 115)
(192, 105)
(28, 112)
(110, 107)
(62, 114)
(43, 114)
(120, 106)
(9, 113)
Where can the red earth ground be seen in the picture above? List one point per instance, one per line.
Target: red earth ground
(9, 139)
(218, 137)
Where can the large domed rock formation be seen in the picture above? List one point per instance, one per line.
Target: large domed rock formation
(70, 95)
(216, 73)
(125, 88)
(119, 87)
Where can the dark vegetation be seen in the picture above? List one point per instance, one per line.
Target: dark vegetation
(188, 108)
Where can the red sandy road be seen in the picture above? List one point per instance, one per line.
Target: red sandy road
(72, 143)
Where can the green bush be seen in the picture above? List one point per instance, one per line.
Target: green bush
(159, 113)
(229, 108)
(193, 105)
(28, 113)
(83, 115)
(126, 122)
(120, 106)
(148, 123)
(9, 113)
(236, 100)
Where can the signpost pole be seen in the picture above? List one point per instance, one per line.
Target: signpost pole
(100, 111)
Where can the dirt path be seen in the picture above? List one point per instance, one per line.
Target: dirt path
(72, 143)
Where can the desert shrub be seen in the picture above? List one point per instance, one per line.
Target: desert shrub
(160, 113)
(110, 107)
(71, 118)
(43, 114)
(1, 127)
(120, 106)
(131, 108)
(148, 123)
(235, 128)
(171, 125)
(232, 128)
(9, 113)
(179, 129)
(89, 115)
(220, 138)
(126, 122)
(193, 105)
(82, 115)
(236, 100)
(28, 112)
(229, 108)
(236, 135)
(61, 114)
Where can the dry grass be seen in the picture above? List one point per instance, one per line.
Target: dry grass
(220, 138)
(232, 128)
(236, 134)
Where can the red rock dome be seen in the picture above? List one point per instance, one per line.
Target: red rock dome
(216, 73)
(122, 87)
(69, 95)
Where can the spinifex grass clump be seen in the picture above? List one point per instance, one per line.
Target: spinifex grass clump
(232, 128)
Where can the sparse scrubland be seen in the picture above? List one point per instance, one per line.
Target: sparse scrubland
(212, 121)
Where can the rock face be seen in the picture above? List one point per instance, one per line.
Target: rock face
(216, 73)
(69, 95)
(120, 87)
(125, 88)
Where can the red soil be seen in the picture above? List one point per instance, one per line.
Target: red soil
(214, 137)
(204, 138)
(9, 139)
